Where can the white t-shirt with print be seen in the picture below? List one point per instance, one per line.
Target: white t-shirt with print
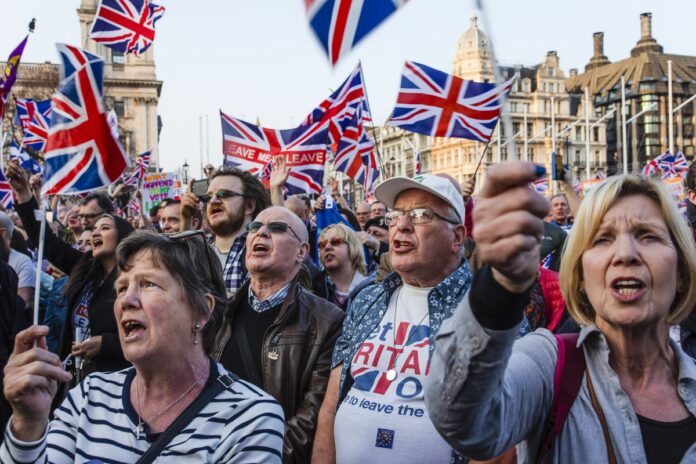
(382, 421)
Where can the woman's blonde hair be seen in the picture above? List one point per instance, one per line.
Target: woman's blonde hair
(355, 246)
(588, 220)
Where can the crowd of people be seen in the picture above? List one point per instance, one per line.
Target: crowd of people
(427, 325)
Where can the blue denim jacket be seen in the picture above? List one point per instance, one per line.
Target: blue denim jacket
(369, 307)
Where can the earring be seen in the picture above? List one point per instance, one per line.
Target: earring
(195, 330)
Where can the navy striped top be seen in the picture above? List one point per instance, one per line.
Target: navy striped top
(97, 424)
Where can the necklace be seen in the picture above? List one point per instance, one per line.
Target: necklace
(391, 373)
(140, 428)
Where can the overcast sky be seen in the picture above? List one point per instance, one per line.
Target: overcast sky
(258, 58)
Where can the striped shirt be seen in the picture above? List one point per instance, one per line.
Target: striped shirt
(97, 423)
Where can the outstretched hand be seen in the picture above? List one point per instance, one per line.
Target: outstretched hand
(19, 181)
(509, 224)
(279, 172)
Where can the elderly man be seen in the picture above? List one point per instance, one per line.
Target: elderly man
(363, 214)
(278, 335)
(560, 212)
(377, 209)
(374, 409)
(234, 197)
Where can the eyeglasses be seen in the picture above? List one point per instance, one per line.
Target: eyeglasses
(220, 195)
(275, 227)
(89, 216)
(195, 233)
(415, 216)
(334, 242)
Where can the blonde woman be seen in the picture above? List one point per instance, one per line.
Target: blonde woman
(343, 258)
(628, 274)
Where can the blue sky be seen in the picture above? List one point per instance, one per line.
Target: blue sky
(258, 58)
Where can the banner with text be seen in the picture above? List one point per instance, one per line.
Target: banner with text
(158, 187)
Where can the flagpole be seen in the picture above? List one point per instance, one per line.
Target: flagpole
(39, 260)
(381, 132)
(587, 133)
(623, 125)
(526, 143)
(670, 114)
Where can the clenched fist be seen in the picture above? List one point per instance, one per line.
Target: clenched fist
(509, 224)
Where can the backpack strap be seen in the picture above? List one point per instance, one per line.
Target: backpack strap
(567, 379)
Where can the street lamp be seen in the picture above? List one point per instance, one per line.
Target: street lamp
(185, 168)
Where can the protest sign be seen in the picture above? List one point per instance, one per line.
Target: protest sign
(158, 187)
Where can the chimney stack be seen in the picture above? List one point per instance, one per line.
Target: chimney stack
(598, 58)
(646, 43)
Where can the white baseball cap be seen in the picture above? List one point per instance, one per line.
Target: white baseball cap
(443, 188)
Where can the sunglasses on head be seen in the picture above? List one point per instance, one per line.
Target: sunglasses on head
(334, 242)
(274, 227)
(194, 233)
(220, 195)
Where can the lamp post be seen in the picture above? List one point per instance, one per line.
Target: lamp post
(185, 169)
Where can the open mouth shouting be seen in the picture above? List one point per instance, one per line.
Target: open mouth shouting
(628, 289)
(132, 329)
(260, 248)
(402, 246)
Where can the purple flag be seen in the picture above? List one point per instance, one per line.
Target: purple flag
(9, 75)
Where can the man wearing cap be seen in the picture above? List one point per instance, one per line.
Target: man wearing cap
(374, 409)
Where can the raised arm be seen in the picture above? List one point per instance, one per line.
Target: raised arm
(483, 394)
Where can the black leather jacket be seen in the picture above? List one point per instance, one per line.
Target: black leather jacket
(295, 361)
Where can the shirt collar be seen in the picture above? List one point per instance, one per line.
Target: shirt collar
(458, 278)
(273, 300)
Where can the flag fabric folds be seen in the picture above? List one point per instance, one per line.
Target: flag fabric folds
(435, 103)
(81, 152)
(127, 26)
(355, 155)
(6, 195)
(541, 185)
(26, 161)
(337, 111)
(417, 170)
(9, 75)
(35, 119)
(250, 147)
(341, 24)
(668, 165)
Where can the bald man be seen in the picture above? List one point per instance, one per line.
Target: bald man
(278, 335)
(303, 209)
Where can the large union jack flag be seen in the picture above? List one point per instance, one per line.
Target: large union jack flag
(127, 26)
(435, 103)
(341, 24)
(81, 151)
(355, 155)
(338, 110)
(250, 147)
(6, 196)
(35, 119)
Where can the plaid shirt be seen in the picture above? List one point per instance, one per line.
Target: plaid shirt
(277, 298)
(235, 272)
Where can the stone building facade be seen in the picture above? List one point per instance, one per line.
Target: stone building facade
(131, 89)
(646, 84)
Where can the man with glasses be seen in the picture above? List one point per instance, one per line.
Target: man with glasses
(276, 334)
(91, 209)
(374, 409)
(234, 197)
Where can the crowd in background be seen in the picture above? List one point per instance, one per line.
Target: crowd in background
(405, 330)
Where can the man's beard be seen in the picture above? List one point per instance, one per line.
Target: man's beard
(229, 226)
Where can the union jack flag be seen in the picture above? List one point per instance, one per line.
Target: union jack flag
(600, 174)
(140, 169)
(418, 163)
(651, 167)
(81, 152)
(341, 24)
(127, 26)
(337, 111)
(35, 119)
(134, 206)
(435, 103)
(541, 185)
(250, 147)
(6, 196)
(265, 173)
(26, 161)
(672, 165)
(355, 156)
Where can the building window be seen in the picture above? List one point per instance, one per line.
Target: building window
(551, 87)
(120, 108)
(513, 107)
(595, 134)
(118, 57)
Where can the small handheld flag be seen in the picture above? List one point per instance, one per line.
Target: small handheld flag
(127, 26)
